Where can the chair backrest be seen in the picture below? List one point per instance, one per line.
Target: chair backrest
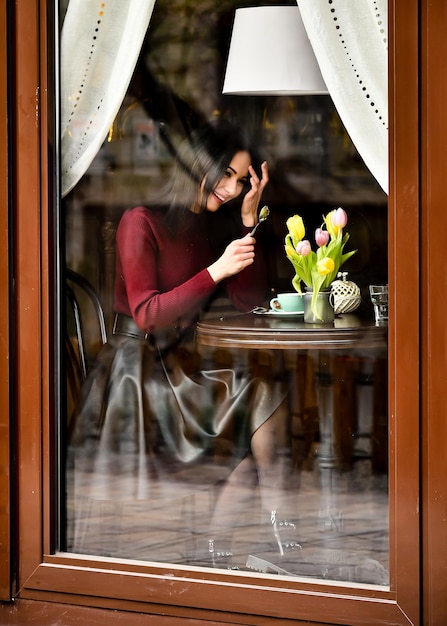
(86, 329)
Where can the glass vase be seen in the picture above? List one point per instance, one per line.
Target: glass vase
(323, 311)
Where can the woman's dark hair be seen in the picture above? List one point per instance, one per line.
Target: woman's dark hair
(203, 156)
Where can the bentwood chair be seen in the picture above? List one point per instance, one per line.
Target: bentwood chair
(86, 330)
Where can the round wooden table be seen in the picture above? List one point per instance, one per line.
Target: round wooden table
(268, 330)
(286, 332)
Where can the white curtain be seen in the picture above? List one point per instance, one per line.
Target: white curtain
(100, 45)
(349, 38)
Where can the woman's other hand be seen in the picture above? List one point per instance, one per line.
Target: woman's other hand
(238, 255)
(249, 209)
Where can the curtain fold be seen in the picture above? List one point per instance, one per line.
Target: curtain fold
(350, 42)
(100, 45)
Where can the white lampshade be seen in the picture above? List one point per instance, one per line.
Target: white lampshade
(270, 54)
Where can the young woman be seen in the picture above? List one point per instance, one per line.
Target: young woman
(154, 408)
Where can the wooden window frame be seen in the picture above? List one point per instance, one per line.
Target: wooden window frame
(5, 429)
(172, 591)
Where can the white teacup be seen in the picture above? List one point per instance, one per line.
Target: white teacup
(287, 303)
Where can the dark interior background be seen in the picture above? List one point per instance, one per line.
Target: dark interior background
(176, 86)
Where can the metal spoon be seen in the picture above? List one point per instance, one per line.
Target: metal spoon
(263, 215)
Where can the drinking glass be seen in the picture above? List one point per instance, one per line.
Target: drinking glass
(379, 298)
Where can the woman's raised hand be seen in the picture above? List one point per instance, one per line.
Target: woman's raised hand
(237, 255)
(249, 209)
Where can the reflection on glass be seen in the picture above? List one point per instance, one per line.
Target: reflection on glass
(257, 459)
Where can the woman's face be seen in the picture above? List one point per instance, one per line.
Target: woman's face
(232, 183)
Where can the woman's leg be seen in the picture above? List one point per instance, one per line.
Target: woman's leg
(234, 497)
(233, 502)
(267, 445)
(264, 467)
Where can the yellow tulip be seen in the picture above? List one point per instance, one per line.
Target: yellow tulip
(332, 230)
(295, 226)
(290, 250)
(325, 266)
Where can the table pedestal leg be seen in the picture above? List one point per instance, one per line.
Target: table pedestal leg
(329, 455)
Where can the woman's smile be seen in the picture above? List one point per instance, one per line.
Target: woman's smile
(232, 182)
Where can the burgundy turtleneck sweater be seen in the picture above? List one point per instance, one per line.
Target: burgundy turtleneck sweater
(160, 281)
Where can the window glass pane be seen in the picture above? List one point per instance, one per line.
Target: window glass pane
(182, 447)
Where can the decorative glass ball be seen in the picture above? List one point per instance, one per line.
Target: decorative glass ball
(345, 295)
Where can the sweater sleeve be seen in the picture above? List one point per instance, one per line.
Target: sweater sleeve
(140, 246)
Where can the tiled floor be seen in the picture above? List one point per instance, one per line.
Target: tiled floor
(348, 543)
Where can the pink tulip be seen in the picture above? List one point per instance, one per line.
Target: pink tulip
(321, 237)
(303, 247)
(339, 218)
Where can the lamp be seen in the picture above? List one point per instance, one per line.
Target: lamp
(270, 54)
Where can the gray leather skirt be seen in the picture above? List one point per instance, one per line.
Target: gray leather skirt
(147, 414)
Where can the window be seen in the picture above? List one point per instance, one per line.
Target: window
(135, 492)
